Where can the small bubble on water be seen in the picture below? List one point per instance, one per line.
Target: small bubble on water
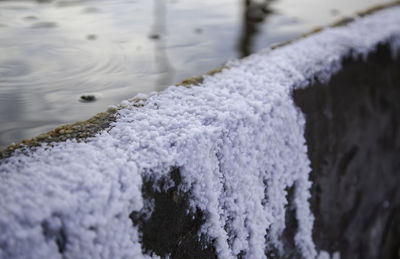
(91, 37)
(154, 36)
(30, 18)
(88, 98)
(91, 10)
(40, 25)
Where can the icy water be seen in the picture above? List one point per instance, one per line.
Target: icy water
(53, 52)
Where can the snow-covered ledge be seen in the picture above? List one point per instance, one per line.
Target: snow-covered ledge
(235, 144)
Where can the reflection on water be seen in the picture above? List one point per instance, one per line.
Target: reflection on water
(254, 14)
(165, 70)
(54, 52)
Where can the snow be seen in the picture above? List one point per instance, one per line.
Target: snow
(237, 138)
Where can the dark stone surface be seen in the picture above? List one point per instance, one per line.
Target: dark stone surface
(353, 137)
(171, 229)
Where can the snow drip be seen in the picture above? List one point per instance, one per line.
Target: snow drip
(238, 140)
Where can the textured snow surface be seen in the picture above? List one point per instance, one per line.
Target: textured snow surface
(237, 138)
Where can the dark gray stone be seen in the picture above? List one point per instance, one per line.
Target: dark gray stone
(353, 137)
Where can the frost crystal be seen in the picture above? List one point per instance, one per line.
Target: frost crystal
(237, 138)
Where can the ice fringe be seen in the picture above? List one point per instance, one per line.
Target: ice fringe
(237, 138)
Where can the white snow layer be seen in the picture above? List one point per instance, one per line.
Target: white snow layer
(238, 139)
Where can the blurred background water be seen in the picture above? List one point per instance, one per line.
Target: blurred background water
(53, 52)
